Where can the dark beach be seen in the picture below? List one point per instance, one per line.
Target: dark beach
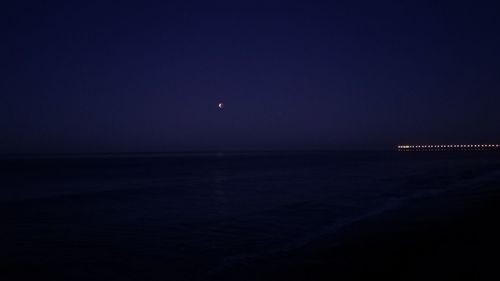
(453, 236)
(298, 216)
(249, 140)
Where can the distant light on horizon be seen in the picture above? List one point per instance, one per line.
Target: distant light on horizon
(447, 147)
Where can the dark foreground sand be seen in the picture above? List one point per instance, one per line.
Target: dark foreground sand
(453, 236)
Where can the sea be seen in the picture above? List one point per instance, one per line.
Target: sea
(187, 216)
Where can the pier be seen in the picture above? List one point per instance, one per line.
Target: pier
(448, 147)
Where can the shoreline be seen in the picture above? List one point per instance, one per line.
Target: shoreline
(450, 236)
(438, 224)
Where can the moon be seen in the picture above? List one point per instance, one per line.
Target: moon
(221, 105)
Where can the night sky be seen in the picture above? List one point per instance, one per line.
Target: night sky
(95, 76)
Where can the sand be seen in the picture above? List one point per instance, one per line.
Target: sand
(453, 236)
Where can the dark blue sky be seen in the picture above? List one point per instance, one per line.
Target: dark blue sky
(95, 76)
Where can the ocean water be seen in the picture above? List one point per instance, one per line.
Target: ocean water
(187, 216)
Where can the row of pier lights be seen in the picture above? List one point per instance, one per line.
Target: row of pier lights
(448, 147)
